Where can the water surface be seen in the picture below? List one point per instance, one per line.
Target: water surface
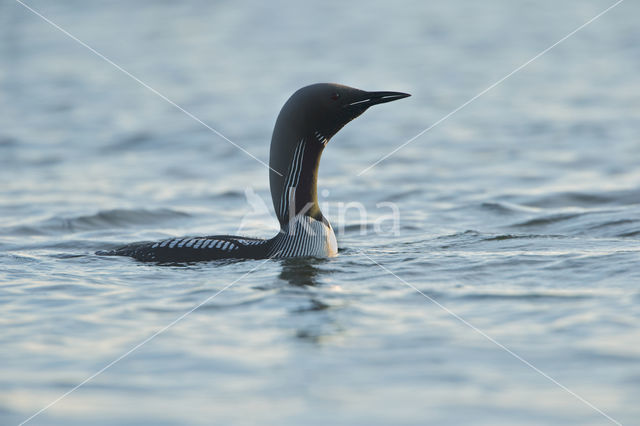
(519, 214)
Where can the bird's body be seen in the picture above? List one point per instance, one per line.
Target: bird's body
(304, 126)
(310, 238)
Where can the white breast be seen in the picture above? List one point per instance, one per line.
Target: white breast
(305, 236)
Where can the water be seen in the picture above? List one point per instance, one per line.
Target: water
(520, 214)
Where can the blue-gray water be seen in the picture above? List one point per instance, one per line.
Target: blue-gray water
(520, 214)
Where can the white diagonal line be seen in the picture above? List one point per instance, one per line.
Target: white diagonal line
(100, 55)
(492, 340)
(489, 88)
(133, 349)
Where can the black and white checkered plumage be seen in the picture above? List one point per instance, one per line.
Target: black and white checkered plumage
(304, 237)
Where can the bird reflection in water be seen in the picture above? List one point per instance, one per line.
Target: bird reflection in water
(314, 321)
(300, 272)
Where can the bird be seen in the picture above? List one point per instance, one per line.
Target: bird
(305, 124)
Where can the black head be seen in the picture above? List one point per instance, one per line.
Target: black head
(327, 107)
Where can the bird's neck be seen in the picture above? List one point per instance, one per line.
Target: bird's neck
(294, 177)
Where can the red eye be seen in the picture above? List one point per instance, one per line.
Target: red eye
(335, 96)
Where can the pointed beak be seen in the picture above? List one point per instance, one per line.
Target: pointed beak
(373, 98)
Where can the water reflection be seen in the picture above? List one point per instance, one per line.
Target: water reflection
(314, 318)
(300, 272)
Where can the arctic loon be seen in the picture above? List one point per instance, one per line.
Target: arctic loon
(306, 123)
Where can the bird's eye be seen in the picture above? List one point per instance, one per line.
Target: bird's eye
(335, 96)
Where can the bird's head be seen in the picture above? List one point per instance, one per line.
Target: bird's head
(326, 108)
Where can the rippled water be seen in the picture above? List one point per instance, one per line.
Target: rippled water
(519, 215)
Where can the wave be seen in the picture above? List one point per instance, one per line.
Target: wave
(547, 220)
(630, 234)
(503, 237)
(131, 141)
(404, 195)
(498, 208)
(595, 223)
(107, 219)
(585, 199)
(527, 295)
